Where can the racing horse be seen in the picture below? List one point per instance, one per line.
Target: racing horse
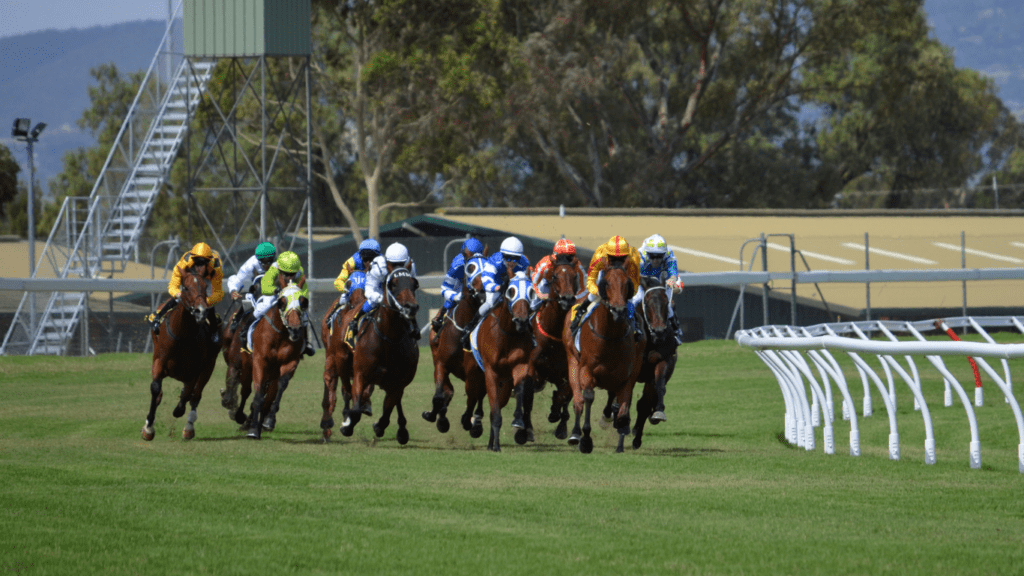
(278, 341)
(609, 356)
(385, 354)
(505, 341)
(659, 356)
(548, 361)
(183, 350)
(338, 363)
(446, 347)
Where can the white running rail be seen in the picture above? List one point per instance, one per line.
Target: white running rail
(780, 347)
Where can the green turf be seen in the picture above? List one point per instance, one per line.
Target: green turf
(712, 491)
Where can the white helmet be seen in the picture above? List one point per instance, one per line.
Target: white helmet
(655, 244)
(397, 253)
(511, 246)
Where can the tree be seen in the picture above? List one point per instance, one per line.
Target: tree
(8, 178)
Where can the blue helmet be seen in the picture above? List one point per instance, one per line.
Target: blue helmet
(473, 246)
(370, 244)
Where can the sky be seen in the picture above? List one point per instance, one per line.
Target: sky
(24, 16)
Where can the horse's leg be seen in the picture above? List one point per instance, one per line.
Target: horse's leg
(586, 442)
(156, 393)
(282, 384)
(644, 408)
(403, 432)
(385, 417)
(518, 425)
(609, 408)
(260, 379)
(565, 395)
(494, 443)
(478, 418)
(447, 391)
(229, 394)
(354, 413)
(330, 399)
(662, 372)
(197, 396)
(524, 403)
(577, 400)
(528, 411)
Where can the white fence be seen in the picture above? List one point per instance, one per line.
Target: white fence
(779, 346)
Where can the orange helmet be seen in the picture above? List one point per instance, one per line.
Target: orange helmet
(202, 250)
(565, 246)
(618, 246)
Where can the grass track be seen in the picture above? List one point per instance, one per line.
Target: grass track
(712, 491)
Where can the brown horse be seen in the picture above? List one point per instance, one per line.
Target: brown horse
(505, 340)
(659, 357)
(234, 358)
(609, 356)
(386, 355)
(339, 356)
(278, 341)
(548, 361)
(445, 346)
(183, 350)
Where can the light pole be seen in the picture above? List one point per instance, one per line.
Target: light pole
(21, 132)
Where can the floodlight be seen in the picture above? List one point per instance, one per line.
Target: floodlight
(20, 129)
(38, 129)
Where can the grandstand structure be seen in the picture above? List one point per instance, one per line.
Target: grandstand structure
(195, 106)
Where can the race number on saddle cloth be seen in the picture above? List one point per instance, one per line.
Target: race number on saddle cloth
(659, 263)
(616, 247)
(359, 262)
(200, 258)
(495, 275)
(451, 287)
(396, 256)
(564, 248)
(520, 287)
(287, 265)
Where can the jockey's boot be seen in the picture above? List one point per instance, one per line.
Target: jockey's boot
(236, 318)
(350, 332)
(158, 316)
(578, 317)
(673, 324)
(437, 322)
(464, 338)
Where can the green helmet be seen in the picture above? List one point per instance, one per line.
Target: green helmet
(265, 250)
(288, 262)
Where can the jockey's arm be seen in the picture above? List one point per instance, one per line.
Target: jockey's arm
(174, 285)
(346, 271)
(300, 281)
(269, 282)
(244, 276)
(217, 284)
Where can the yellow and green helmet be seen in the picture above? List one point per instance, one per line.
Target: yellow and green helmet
(288, 262)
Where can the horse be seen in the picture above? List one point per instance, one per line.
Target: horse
(548, 361)
(659, 357)
(183, 350)
(385, 355)
(446, 348)
(338, 363)
(504, 341)
(232, 337)
(278, 341)
(609, 356)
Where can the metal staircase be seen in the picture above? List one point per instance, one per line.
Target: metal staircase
(97, 235)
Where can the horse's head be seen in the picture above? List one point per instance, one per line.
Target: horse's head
(615, 287)
(290, 305)
(566, 279)
(194, 289)
(473, 287)
(655, 312)
(518, 295)
(401, 287)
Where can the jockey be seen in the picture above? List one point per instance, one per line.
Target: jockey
(565, 248)
(659, 262)
(508, 261)
(396, 256)
(289, 269)
(248, 277)
(201, 256)
(616, 249)
(451, 288)
(359, 262)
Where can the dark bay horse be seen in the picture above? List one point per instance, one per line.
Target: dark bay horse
(505, 340)
(609, 356)
(338, 363)
(386, 355)
(548, 361)
(446, 348)
(659, 357)
(277, 344)
(183, 350)
(233, 339)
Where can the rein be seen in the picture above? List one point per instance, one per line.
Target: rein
(593, 329)
(536, 316)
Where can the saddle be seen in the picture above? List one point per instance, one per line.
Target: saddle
(350, 335)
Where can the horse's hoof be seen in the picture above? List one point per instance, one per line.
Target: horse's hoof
(521, 436)
(429, 416)
(240, 417)
(477, 430)
(327, 424)
(443, 425)
(179, 411)
(467, 422)
(561, 432)
(554, 416)
(254, 433)
(402, 436)
(188, 434)
(636, 442)
(529, 435)
(326, 435)
(367, 409)
(586, 445)
(378, 430)
(346, 431)
(148, 433)
(573, 440)
(658, 417)
(269, 424)
(517, 424)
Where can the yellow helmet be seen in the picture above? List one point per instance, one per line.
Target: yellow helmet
(618, 246)
(202, 250)
(288, 262)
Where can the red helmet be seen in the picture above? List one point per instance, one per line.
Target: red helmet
(617, 246)
(565, 246)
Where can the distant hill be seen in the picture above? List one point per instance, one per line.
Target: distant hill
(46, 78)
